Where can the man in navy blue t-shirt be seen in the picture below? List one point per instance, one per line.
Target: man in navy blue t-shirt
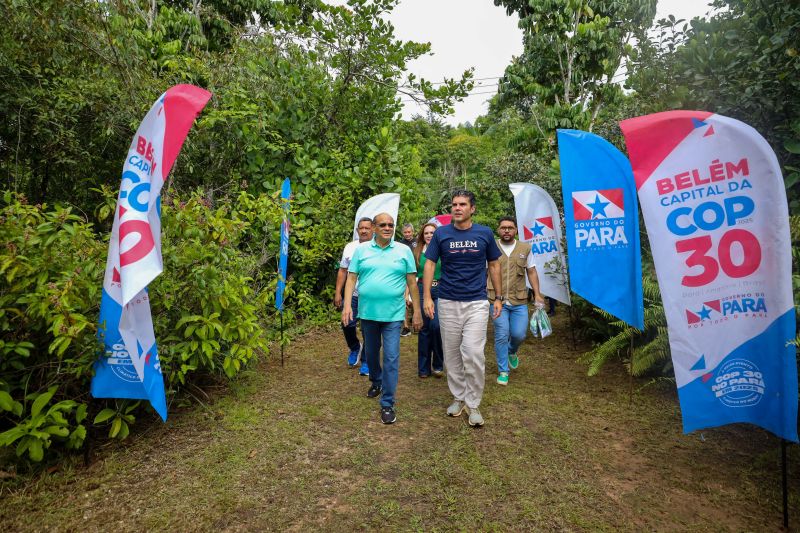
(465, 250)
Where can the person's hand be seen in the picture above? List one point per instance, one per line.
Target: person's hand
(337, 301)
(347, 315)
(498, 306)
(416, 321)
(538, 301)
(429, 308)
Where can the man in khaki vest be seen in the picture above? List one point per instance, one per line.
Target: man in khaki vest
(516, 263)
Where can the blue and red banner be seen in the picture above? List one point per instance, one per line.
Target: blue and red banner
(714, 203)
(130, 367)
(286, 198)
(601, 222)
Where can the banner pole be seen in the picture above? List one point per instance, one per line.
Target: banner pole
(630, 375)
(572, 328)
(281, 338)
(784, 483)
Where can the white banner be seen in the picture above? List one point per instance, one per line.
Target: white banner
(388, 202)
(539, 223)
(130, 367)
(714, 204)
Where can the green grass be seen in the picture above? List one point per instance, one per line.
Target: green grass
(302, 448)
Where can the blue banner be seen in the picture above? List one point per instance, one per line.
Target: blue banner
(286, 193)
(601, 225)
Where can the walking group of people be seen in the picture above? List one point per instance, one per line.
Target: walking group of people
(436, 285)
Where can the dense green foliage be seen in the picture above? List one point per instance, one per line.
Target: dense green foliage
(572, 51)
(301, 89)
(209, 316)
(743, 62)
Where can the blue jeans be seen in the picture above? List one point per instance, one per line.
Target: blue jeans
(509, 332)
(350, 332)
(429, 340)
(388, 332)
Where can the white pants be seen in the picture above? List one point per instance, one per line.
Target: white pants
(463, 328)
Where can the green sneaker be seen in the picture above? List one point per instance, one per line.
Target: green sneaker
(502, 379)
(513, 361)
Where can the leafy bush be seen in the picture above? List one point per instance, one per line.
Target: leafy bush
(650, 346)
(50, 271)
(209, 309)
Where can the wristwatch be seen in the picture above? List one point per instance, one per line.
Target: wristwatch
(498, 298)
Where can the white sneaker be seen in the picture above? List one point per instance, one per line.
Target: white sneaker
(475, 418)
(455, 408)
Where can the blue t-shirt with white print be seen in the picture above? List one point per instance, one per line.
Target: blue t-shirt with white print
(464, 254)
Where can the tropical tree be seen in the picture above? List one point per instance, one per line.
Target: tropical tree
(741, 62)
(572, 51)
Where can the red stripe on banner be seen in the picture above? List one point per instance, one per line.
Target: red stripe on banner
(691, 317)
(526, 233)
(714, 304)
(615, 196)
(444, 220)
(651, 138)
(580, 212)
(182, 104)
(547, 221)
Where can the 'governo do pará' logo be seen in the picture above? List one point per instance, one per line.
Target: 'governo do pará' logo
(599, 219)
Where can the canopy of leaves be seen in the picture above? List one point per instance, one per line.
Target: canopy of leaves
(572, 50)
(743, 62)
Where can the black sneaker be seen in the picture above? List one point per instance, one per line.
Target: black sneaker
(387, 415)
(374, 391)
(405, 332)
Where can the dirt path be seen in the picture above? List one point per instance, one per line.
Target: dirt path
(302, 448)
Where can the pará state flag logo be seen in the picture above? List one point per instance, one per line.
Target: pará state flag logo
(599, 204)
(750, 305)
(599, 218)
(541, 234)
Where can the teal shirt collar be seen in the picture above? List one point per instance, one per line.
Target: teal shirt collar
(376, 245)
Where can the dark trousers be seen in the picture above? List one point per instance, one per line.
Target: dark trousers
(350, 331)
(429, 340)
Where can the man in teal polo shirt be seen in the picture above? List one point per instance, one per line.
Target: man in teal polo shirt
(384, 269)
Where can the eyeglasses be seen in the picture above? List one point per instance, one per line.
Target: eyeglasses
(511, 228)
(386, 225)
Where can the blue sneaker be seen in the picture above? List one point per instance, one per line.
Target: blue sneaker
(354, 357)
(364, 370)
